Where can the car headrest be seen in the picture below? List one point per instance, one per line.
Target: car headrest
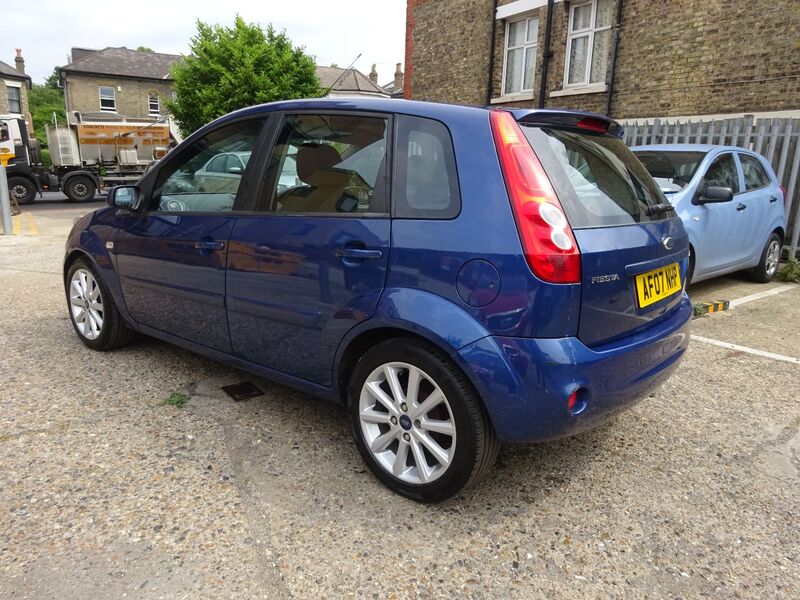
(315, 157)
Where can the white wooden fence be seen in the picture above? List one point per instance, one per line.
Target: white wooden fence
(776, 139)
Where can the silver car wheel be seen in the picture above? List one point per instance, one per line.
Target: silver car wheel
(407, 423)
(773, 257)
(86, 304)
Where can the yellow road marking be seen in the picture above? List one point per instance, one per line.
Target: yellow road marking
(32, 224)
(16, 222)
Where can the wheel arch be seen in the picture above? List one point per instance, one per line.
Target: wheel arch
(418, 314)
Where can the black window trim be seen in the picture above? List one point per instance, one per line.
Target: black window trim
(395, 178)
(275, 130)
(744, 177)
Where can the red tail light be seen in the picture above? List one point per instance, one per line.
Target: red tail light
(547, 239)
(785, 196)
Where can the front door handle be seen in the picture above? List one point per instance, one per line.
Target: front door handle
(741, 207)
(209, 245)
(358, 253)
(772, 199)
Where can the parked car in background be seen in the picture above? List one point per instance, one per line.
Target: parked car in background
(730, 202)
(458, 277)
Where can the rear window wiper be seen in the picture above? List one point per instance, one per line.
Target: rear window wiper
(657, 209)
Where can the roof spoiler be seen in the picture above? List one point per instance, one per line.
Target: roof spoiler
(572, 119)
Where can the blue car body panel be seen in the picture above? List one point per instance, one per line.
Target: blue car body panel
(275, 298)
(726, 237)
(525, 380)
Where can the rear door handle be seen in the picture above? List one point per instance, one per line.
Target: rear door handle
(209, 245)
(773, 199)
(358, 253)
(741, 207)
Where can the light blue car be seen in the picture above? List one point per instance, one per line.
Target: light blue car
(730, 202)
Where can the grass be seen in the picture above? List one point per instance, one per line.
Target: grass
(790, 272)
(176, 399)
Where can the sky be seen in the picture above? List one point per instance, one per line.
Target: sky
(334, 31)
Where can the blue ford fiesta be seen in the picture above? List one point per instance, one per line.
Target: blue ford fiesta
(457, 277)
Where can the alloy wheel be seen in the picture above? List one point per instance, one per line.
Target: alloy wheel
(407, 423)
(773, 257)
(86, 304)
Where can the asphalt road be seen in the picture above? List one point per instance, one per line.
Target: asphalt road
(106, 491)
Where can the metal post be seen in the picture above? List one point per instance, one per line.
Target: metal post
(5, 202)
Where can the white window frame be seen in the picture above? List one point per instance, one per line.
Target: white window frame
(113, 98)
(153, 99)
(590, 32)
(19, 97)
(526, 47)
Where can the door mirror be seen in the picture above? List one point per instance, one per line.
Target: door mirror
(123, 196)
(713, 194)
(235, 170)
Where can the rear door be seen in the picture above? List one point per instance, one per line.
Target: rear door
(171, 256)
(310, 263)
(632, 253)
(763, 200)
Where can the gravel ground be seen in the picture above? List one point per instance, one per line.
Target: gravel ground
(105, 491)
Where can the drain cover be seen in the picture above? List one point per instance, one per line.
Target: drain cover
(242, 391)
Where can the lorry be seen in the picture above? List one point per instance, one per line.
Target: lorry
(87, 155)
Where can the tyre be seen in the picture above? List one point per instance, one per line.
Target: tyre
(92, 310)
(21, 189)
(770, 260)
(80, 189)
(417, 421)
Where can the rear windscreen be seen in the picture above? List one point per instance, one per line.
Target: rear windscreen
(599, 181)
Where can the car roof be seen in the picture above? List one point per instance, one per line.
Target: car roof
(433, 110)
(705, 148)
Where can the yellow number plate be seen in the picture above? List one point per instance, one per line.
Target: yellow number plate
(658, 284)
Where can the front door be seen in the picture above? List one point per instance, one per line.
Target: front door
(719, 226)
(171, 256)
(311, 263)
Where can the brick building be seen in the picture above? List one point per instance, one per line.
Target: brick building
(14, 86)
(117, 81)
(677, 58)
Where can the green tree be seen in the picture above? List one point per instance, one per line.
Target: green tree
(234, 67)
(144, 49)
(52, 80)
(43, 101)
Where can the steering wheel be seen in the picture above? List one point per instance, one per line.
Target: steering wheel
(171, 204)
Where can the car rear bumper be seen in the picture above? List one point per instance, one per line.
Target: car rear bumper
(525, 383)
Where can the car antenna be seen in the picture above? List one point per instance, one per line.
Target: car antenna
(338, 79)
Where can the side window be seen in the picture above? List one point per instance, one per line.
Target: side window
(202, 178)
(328, 164)
(755, 176)
(217, 164)
(723, 173)
(426, 181)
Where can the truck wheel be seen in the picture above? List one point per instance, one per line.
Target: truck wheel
(21, 189)
(80, 189)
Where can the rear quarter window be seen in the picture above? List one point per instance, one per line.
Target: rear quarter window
(599, 181)
(425, 180)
